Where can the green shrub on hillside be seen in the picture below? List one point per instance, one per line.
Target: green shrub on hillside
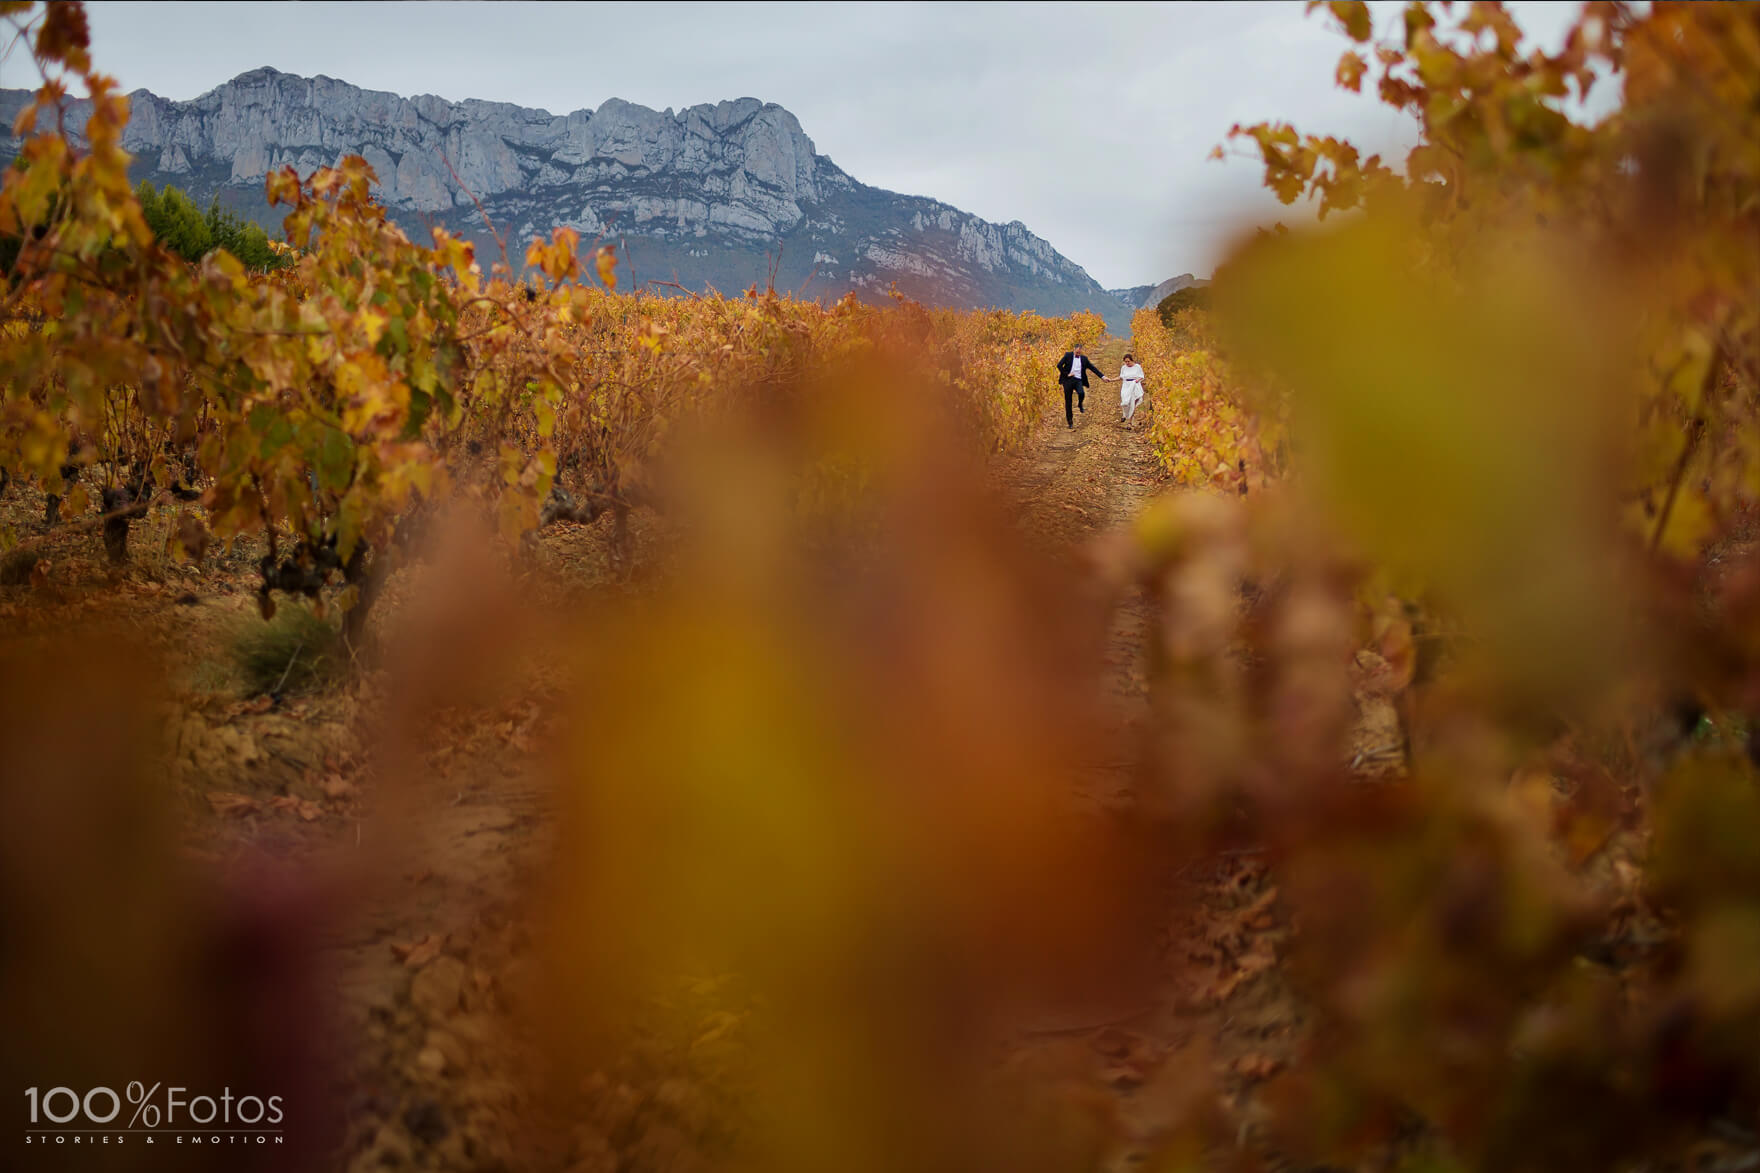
(1192, 297)
(192, 234)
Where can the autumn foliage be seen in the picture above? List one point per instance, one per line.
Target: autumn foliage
(328, 404)
(1453, 615)
(1494, 434)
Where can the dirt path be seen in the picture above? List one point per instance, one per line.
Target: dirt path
(429, 1095)
(423, 969)
(1074, 485)
(1221, 1014)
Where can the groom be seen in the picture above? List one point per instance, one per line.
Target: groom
(1072, 372)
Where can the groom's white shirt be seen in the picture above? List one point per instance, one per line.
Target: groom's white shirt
(1075, 367)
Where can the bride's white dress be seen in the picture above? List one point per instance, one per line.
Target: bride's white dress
(1130, 391)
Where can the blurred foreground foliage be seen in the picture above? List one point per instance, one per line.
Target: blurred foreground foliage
(1496, 431)
(1484, 454)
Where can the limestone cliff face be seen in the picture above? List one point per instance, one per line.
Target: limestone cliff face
(719, 194)
(1147, 297)
(751, 161)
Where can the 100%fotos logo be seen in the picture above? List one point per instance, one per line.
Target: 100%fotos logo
(148, 1110)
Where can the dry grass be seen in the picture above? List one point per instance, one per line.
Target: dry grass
(298, 651)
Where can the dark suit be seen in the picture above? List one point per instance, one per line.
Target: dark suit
(1075, 391)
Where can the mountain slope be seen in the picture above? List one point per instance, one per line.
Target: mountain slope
(1132, 297)
(715, 195)
(1139, 297)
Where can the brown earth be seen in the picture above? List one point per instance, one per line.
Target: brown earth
(428, 970)
(1220, 1008)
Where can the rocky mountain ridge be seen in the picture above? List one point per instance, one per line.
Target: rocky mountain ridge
(1142, 297)
(722, 194)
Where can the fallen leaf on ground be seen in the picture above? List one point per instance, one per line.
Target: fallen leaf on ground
(721, 1023)
(305, 808)
(1115, 1043)
(1257, 1066)
(1260, 914)
(1248, 968)
(1130, 1058)
(226, 802)
(419, 952)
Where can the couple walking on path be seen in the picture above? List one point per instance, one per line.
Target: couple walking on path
(1072, 372)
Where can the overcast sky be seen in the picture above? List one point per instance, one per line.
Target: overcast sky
(1089, 123)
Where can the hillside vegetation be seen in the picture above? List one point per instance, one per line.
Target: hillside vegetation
(527, 723)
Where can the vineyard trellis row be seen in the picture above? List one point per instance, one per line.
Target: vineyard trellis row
(1499, 436)
(322, 405)
(1506, 415)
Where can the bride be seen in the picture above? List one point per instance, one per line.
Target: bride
(1131, 393)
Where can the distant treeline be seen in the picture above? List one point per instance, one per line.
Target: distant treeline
(1192, 297)
(192, 234)
(184, 229)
